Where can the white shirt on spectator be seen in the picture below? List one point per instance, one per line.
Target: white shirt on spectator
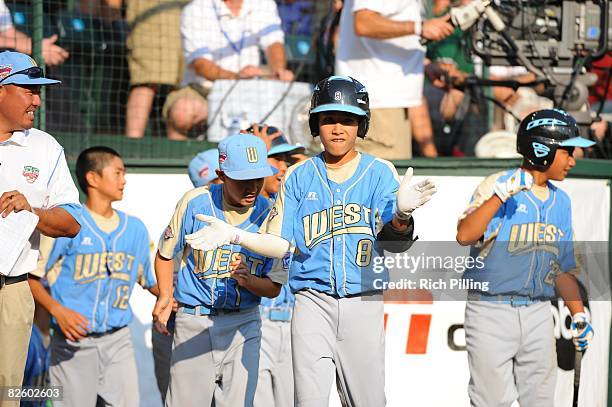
(6, 20)
(390, 69)
(33, 163)
(210, 31)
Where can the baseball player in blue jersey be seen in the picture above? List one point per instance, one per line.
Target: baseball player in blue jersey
(202, 170)
(522, 225)
(275, 383)
(336, 207)
(91, 277)
(217, 333)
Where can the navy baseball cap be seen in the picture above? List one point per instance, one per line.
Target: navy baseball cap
(280, 145)
(244, 156)
(202, 168)
(21, 69)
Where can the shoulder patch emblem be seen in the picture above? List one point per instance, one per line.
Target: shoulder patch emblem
(168, 233)
(286, 261)
(273, 213)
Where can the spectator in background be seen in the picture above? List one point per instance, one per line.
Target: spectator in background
(155, 56)
(222, 39)
(296, 16)
(327, 40)
(11, 38)
(601, 92)
(422, 130)
(450, 65)
(379, 46)
(601, 133)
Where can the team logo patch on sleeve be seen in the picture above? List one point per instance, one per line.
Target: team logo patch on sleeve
(273, 213)
(168, 233)
(30, 173)
(286, 261)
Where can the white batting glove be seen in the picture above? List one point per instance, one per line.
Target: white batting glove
(582, 331)
(517, 182)
(216, 234)
(411, 197)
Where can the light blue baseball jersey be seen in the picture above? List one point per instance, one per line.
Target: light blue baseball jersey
(94, 272)
(526, 243)
(334, 225)
(205, 278)
(285, 299)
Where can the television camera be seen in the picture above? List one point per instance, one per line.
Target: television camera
(555, 40)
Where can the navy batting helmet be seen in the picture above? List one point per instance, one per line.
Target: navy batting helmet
(340, 94)
(541, 133)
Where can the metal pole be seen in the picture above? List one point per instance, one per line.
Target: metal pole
(37, 37)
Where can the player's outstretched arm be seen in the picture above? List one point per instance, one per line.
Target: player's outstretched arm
(218, 233)
(73, 325)
(163, 307)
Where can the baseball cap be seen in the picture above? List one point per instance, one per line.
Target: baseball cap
(202, 168)
(20, 69)
(243, 156)
(280, 145)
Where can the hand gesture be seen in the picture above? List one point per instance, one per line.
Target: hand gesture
(582, 331)
(283, 74)
(250, 71)
(53, 54)
(161, 313)
(13, 201)
(411, 197)
(73, 325)
(436, 29)
(215, 234)
(262, 133)
(519, 181)
(240, 273)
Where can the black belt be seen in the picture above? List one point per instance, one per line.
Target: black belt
(100, 334)
(7, 280)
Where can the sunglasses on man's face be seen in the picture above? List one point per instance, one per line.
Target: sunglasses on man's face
(33, 72)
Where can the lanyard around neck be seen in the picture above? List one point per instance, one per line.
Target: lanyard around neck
(236, 47)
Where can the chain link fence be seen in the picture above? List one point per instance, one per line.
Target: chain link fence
(129, 78)
(119, 61)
